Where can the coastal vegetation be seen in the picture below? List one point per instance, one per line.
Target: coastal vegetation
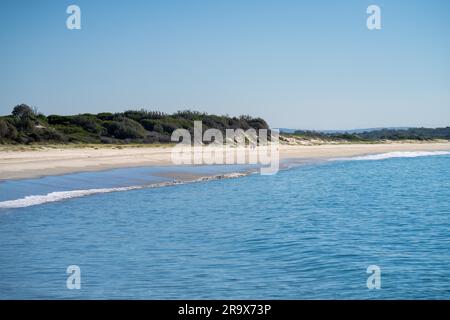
(26, 126)
(418, 134)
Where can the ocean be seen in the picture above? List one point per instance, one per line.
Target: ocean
(308, 232)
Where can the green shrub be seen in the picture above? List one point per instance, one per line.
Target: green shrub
(25, 126)
(88, 123)
(24, 117)
(125, 129)
(105, 116)
(22, 111)
(149, 124)
(189, 115)
(139, 115)
(55, 120)
(46, 135)
(7, 130)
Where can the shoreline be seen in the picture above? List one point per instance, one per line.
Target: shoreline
(61, 195)
(64, 160)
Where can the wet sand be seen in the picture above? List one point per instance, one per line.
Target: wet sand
(16, 164)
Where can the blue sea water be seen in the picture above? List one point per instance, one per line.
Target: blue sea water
(309, 232)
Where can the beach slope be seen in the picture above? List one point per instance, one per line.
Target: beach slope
(27, 163)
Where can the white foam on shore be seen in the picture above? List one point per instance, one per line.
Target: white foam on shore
(389, 155)
(34, 200)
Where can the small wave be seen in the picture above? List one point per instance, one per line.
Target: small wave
(35, 200)
(389, 155)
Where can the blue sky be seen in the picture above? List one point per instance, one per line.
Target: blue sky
(298, 64)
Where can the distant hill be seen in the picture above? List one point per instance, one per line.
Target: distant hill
(406, 134)
(351, 131)
(286, 130)
(394, 134)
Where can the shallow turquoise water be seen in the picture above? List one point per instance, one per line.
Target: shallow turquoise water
(306, 233)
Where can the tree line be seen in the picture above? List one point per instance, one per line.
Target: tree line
(25, 126)
(420, 134)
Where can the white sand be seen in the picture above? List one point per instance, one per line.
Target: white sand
(53, 161)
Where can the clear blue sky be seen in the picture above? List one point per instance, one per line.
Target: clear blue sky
(298, 64)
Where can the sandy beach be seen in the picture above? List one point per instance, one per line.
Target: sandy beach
(16, 164)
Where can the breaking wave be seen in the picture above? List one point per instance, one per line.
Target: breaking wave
(34, 200)
(389, 155)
